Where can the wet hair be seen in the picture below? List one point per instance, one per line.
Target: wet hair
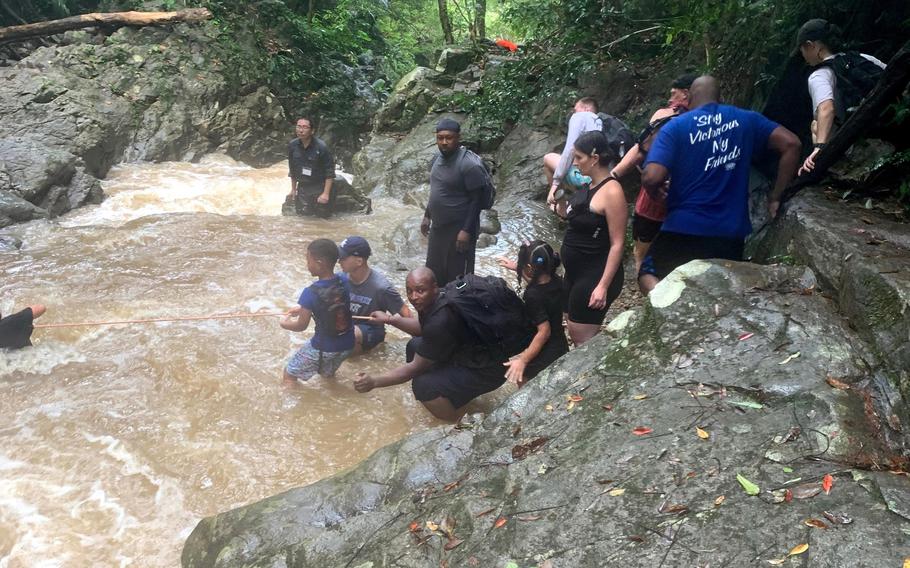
(588, 101)
(594, 142)
(325, 250)
(540, 257)
(684, 81)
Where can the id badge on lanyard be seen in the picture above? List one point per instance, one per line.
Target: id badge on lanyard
(306, 172)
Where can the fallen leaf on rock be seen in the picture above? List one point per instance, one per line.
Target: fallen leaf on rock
(448, 527)
(798, 549)
(616, 492)
(806, 490)
(485, 513)
(777, 561)
(746, 336)
(788, 496)
(636, 538)
(837, 518)
(746, 404)
(511, 564)
(817, 523)
(676, 508)
(571, 405)
(719, 501)
(529, 518)
(414, 526)
(548, 408)
(790, 358)
(520, 451)
(787, 469)
(451, 486)
(704, 435)
(574, 397)
(776, 496)
(642, 430)
(640, 397)
(432, 526)
(827, 483)
(907, 562)
(607, 407)
(500, 522)
(604, 481)
(836, 383)
(453, 543)
(749, 487)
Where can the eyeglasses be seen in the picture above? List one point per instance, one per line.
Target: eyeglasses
(304, 127)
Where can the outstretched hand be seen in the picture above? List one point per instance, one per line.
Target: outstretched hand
(809, 164)
(364, 383)
(516, 372)
(506, 263)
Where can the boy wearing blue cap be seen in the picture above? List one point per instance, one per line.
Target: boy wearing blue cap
(372, 295)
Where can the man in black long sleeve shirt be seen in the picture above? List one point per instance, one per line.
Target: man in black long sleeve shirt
(311, 168)
(452, 216)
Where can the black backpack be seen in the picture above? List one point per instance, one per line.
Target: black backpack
(619, 137)
(488, 191)
(333, 312)
(856, 77)
(492, 312)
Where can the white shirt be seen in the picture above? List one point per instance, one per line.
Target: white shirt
(823, 81)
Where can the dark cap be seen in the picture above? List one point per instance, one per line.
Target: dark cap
(684, 81)
(814, 30)
(448, 124)
(354, 246)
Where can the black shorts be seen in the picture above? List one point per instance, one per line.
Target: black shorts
(643, 229)
(672, 250)
(372, 335)
(307, 204)
(460, 385)
(583, 272)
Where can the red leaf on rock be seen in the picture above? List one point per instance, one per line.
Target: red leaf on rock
(827, 483)
(453, 542)
(642, 430)
(746, 336)
(788, 495)
(414, 526)
(500, 522)
(485, 513)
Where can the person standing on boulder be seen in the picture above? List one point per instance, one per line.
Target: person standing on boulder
(444, 367)
(707, 152)
(311, 168)
(452, 216)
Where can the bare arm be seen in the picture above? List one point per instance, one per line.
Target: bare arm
(517, 365)
(653, 179)
(406, 323)
(611, 203)
(297, 319)
(402, 374)
(633, 158)
(788, 146)
(824, 122)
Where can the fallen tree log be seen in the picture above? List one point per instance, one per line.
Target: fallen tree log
(110, 19)
(892, 83)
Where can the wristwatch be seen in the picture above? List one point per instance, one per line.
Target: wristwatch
(820, 145)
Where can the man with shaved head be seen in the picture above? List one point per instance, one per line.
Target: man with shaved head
(444, 376)
(707, 154)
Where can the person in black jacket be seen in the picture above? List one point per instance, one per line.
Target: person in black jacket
(311, 168)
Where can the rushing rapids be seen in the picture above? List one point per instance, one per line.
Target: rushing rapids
(118, 439)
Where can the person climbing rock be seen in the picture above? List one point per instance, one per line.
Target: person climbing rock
(707, 153)
(443, 367)
(328, 302)
(452, 216)
(372, 295)
(311, 168)
(16, 330)
(838, 83)
(559, 167)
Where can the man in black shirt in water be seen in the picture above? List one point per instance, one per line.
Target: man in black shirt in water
(452, 216)
(311, 168)
(446, 371)
(16, 330)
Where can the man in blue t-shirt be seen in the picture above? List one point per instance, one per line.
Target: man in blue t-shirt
(328, 302)
(707, 153)
(372, 295)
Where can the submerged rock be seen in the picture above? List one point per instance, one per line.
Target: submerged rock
(636, 450)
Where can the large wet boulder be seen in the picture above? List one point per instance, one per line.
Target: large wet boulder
(733, 420)
(74, 108)
(413, 96)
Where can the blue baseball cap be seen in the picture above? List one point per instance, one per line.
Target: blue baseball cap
(354, 246)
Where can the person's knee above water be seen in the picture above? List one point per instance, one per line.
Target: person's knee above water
(16, 329)
(649, 212)
(559, 167)
(592, 248)
(818, 41)
(445, 372)
(372, 295)
(311, 169)
(707, 153)
(536, 268)
(452, 216)
(328, 302)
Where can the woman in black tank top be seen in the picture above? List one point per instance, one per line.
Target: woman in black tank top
(593, 245)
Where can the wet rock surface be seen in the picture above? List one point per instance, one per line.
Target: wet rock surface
(71, 110)
(627, 452)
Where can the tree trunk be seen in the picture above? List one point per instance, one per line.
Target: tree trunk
(311, 11)
(480, 19)
(111, 19)
(892, 83)
(445, 22)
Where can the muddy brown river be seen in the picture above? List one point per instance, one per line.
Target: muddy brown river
(117, 440)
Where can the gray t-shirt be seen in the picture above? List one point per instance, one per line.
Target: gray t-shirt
(455, 184)
(375, 293)
(580, 123)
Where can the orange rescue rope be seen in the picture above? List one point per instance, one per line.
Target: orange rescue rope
(156, 320)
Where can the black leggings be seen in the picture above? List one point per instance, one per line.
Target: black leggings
(583, 272)
(442, 258)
